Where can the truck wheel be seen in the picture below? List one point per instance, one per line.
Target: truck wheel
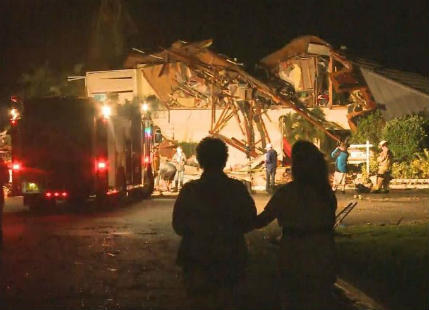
(101, 201)
(77, 203)
(34, 202)
(149, 183)
(35, 207)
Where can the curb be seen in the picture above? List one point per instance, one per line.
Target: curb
(360, 300)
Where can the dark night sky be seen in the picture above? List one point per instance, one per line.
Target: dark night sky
(393, 33)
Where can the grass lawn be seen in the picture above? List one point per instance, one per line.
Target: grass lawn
(390, 263)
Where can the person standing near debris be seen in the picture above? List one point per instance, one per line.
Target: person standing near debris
(212, 214)
(179, 160)
(384, 161)
(4, 178)
(305, 209)
(341, 155)
(166, 173)
(270, 167)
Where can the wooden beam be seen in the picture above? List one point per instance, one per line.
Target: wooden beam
(262, 87)
(330, 91)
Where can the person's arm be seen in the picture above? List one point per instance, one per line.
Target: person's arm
(247, 209)
(381, 157)
(181, 212)
(334, 152)
(271, 211)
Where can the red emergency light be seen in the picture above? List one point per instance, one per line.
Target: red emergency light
(56, 194)
(14, 99)
(147, 160)
(16, 166)
(101, 165)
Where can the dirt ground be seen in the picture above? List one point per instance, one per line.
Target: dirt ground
(125, 258)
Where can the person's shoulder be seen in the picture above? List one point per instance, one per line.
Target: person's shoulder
(234, 182)
(191, 185)
(290, 186)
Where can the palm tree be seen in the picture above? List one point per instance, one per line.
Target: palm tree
(44, 81)
(294, 127)
(112, 27)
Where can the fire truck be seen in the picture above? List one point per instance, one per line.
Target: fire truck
(78, 150)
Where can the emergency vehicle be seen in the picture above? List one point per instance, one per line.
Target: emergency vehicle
(80, 149)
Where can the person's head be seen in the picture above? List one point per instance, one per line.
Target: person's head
(179, 150)
(308, 164)
(382, 144)
(344, 146)
(269, 146)
(212, 153)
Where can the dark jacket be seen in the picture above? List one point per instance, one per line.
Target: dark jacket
(271, 160)
(212, 214)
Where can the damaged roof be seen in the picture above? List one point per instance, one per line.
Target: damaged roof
(394, 94)
(165, 70)
(296, 47)
(410, 79)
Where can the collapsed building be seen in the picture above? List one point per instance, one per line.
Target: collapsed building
(199, 92)
(195, 92)
(321, 77)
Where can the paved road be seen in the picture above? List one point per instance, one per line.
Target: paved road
(125, 258)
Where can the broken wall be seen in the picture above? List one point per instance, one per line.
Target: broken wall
(192, 125)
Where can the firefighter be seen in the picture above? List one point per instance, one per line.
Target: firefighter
(384, 161)
(179, 160)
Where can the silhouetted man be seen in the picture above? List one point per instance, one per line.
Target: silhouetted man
(212, 214)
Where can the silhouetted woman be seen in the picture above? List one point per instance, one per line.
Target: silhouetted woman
(305, 209)
(212, 214)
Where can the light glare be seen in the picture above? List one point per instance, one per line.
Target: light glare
(106, 111)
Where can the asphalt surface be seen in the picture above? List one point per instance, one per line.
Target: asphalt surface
(125, 258)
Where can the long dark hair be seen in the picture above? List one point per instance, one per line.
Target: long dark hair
(309, 167)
